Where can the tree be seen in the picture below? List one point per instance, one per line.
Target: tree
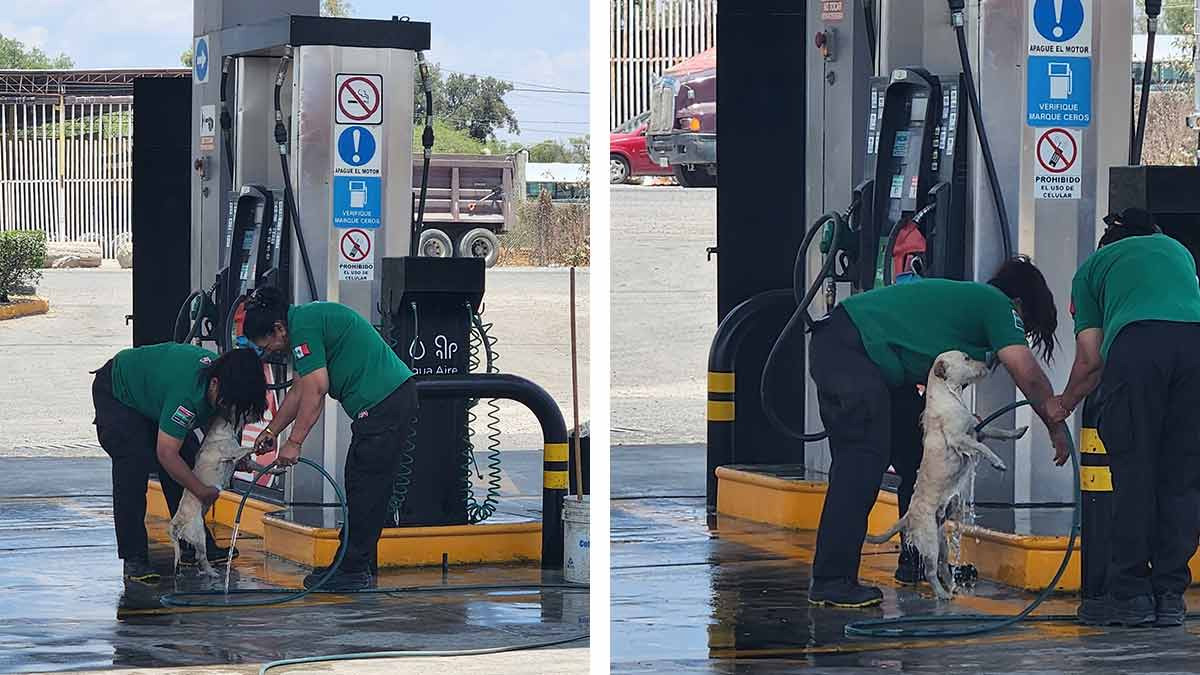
(468, 102)
(339, 8)
(14, 54)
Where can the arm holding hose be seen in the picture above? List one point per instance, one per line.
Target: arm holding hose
(310, 404)
(1033, 383)
(1085, 372)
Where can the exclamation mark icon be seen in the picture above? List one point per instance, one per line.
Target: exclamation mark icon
(1058, 29)
(356, 134)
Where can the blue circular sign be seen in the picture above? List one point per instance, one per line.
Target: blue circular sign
(356, 145)
(1058, 20)
(200, 59)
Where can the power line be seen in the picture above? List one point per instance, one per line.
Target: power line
(521, 85)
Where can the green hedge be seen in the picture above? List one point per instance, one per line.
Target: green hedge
(22, 253)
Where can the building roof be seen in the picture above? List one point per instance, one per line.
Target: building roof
(705, 60)
(1166, 48)
(556, 172)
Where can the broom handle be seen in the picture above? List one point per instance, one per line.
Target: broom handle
(575, 396)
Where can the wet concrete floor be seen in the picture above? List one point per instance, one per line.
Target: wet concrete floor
(694, 594)
(64, 605)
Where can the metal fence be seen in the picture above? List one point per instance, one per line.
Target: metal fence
(65, 168)
(649, 36)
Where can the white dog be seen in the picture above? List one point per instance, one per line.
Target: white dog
(951, 453)
(215, 460)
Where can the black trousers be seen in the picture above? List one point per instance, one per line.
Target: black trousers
(870, 425)
(131, 439)
(1150, 425)
(372, 464)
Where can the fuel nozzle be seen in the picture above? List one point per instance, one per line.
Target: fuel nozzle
(281, 132)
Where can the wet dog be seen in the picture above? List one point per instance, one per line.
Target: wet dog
(215, 461)
(952, 450)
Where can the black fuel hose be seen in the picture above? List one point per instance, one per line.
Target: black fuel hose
(427, 140)
(985, 146)
(289, 194)
(226, 120)
(800, 319)
(1153, 8)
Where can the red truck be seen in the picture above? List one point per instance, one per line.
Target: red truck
(683, 120)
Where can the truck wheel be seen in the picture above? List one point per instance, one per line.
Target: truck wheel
(480, 243)
(435, 244)
(694, 178)
(618, 169)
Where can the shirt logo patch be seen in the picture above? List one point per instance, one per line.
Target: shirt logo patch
(183, 417)
(1020, 325)
(301, 351)
(205, 361)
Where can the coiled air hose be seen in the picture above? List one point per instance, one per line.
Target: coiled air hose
(977, 624)
(801, 319)
(476, 512)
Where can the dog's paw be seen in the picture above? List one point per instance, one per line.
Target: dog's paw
(999, 465)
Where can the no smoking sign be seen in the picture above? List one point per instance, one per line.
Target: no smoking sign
(1057, 172)
(359, 99)
(355, 262)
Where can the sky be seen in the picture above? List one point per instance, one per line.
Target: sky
(537, 43)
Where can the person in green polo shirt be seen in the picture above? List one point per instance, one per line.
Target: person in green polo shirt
(148, 402)
(867, 359)
(338, 353)
(1136, 303)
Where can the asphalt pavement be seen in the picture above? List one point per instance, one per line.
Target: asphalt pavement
(664, 312)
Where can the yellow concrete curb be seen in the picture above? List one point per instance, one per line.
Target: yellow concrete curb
(25, 307)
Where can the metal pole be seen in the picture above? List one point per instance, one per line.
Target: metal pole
(575, 396)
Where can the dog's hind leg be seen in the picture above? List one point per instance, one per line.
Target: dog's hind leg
(933, 577)
(1003, 434)
(986, 452)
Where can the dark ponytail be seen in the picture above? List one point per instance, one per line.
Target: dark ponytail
(264, 307)
(1019, 279)
(1131, 222)
(241, 386)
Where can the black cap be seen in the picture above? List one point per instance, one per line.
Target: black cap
(1132, 217)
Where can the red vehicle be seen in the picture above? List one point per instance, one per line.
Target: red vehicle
(627, 155)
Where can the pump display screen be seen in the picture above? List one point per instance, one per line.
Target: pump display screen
(900, 146)
(919, 105)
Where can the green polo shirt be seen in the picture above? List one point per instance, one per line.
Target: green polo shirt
(165, 382)
(906, 326)
(1146, 278)
(363, 370)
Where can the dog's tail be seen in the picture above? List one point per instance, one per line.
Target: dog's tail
(891, 531)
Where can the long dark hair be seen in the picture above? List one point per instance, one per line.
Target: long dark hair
(241, 386)
(264, 307)
(1019, 279)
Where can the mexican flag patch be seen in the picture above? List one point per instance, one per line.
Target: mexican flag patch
(183, 417)
(301, 351)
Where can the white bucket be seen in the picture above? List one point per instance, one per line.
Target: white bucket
(577, 541)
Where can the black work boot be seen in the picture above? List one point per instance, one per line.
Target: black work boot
(1094, 611)
(910, 569)
(1169, 609)
(139, 569)
(846, 593)
(1133, 612)
(341, 580)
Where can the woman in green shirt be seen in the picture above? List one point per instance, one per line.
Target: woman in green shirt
(338, 353)
(1136, 303)
(867, 359)
(148, 402)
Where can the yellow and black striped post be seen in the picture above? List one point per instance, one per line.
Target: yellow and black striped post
(554, 440)
(1095, 484)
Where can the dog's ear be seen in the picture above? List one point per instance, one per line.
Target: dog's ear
(939, 370)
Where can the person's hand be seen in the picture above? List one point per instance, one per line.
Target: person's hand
(289, 454)
(1056, 412)
(1061, 440)
(208, 497)
(265, 442)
